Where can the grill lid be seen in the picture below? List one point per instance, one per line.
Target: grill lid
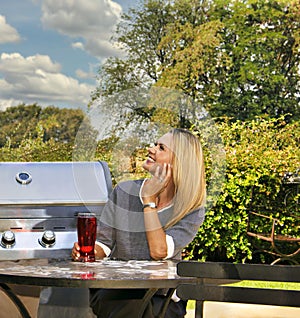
(54, 183)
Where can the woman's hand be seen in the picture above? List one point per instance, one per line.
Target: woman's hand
(75, 252)
(157, 183)
(99, 252)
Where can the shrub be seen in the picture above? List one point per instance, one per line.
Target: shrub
(258, 153)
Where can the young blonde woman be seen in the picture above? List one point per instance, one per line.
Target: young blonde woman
(152, 219)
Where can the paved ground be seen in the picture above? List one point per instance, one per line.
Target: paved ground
(230, 310)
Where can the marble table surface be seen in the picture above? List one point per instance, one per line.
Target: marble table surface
(99, 274)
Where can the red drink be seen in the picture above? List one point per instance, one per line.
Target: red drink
(86, 230)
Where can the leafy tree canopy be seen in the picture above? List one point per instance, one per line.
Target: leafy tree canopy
(237, 58)
(22, 122)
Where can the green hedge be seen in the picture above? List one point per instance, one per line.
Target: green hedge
(36, 149)
(258, 153)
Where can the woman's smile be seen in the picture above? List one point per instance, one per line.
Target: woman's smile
(159, 153)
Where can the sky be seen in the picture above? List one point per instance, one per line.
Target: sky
(51, 50)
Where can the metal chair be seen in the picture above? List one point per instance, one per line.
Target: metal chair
(215, 284)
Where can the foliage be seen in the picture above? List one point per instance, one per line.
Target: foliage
(243, 61)
(19, 123)
(60, 124)
(36, 149)
(33, 133)
(237, 58)
(138, 34)
(258, 153)
(261, 40)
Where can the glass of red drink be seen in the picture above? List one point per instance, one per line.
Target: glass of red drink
(86, 231)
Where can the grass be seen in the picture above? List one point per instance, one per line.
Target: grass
(267, 284)
(191, 304)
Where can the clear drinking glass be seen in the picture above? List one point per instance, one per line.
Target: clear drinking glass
(86, 231)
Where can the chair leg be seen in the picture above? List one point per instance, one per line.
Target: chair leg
(16, 300)
(199, 309)
(167, 301)
(146, 299)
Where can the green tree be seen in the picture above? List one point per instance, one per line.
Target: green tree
(235, 58)
(37, 149)
(20, 123)
(262, 39)
(242, 62)
(61, 124)
(139, 33)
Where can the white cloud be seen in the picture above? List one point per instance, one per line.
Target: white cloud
(92, 21)
(78, 45)
(8, 34)
(85, 75)
(37, 79)
(15, 63)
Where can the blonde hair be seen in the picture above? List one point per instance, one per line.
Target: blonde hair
(188, 174)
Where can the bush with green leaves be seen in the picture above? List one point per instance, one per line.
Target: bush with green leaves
(258, 153)
(36, 149)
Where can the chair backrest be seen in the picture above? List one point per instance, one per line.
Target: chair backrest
(210, 288)
(219, 270)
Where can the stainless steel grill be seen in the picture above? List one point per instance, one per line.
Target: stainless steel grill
(39, 202)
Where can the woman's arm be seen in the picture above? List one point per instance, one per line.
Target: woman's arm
(184, 231)
(169, 243)
(151, 193)
(155, 234)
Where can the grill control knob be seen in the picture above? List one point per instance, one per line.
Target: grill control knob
(48, 239)
(8, 239)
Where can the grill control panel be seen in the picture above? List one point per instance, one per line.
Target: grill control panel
(16, 245)
(8, 239)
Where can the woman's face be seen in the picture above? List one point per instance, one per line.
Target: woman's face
(159, 153)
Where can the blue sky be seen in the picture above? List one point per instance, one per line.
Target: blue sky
(50, 50)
